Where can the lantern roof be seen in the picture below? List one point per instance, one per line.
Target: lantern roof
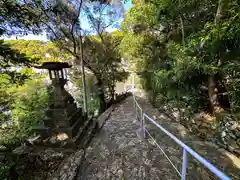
(53, 65)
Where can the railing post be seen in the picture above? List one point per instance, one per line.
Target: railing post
(133, 101)
(136, 109)
(143, 124)
(184, 165)
(142, 129)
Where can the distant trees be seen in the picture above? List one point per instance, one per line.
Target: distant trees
(40, 50)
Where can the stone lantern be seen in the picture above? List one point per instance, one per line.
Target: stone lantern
(62, 131)
(62, 115)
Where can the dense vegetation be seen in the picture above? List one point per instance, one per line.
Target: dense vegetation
(187, 54)
(24, 95)
(189, 51)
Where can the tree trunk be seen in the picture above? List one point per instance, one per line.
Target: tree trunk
(224, 98)
(213, 94)
(103, 104)
(212, 84)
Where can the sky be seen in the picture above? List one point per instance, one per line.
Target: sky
(85, 25)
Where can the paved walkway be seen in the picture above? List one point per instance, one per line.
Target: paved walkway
(118, 153)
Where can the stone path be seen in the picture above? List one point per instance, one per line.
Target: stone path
(118, 153)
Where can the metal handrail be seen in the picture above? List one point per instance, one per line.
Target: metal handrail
(186, 149)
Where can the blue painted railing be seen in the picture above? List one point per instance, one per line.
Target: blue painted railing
(186, 149)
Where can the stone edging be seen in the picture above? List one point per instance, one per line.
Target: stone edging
(103, 117)
(69, 167)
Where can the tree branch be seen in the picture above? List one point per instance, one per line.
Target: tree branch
(182, 28)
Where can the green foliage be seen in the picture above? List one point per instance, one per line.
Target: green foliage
(17, 58)
(18, 17)
(6, 167)
(62, 22)
(92, 99)
(104, 61)
(140, 17)
(107, 65)
(179, 46)
(40, 50)
(27, 104)
(93, 104)
(11, 60)
(27, 108)
(22, 92)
